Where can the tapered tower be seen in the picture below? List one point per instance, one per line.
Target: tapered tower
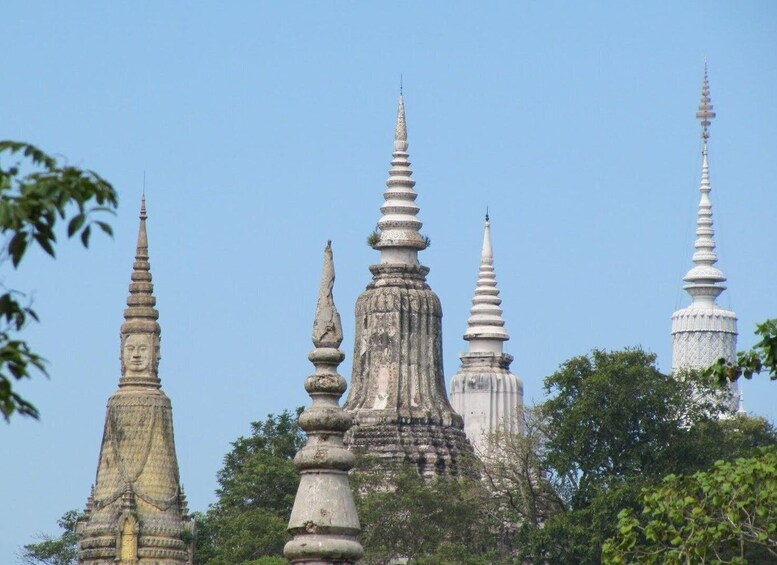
(397, 397)
(704, 332)
(484, 391)
(137, 513)
(323, 522)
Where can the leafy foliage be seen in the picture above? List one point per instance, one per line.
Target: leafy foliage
(763, 356)
(614, 425)
(725, 515)
(256, 493)
(61, 550)
(442, 520)
(36, 193)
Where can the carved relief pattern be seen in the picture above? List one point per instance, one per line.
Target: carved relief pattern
(397, 393)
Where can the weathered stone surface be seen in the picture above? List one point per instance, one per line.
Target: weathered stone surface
(323, 521)
(137, 511)
(397, 395)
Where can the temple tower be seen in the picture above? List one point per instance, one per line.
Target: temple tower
(397, 397)
(704, 332)
(137, 513)
(484, 391)
(323, 522)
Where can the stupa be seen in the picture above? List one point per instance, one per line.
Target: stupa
(704, 332)
(137, 512)
(484, 391)
(397, 396)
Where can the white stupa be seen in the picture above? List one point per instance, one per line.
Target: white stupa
(704, 332)
(484, 391)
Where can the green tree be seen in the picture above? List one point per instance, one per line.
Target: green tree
(50, 550)
(762, 357)
(612, 426)
(428, 521)
(36, 193)
(247, 525)
(725, 515)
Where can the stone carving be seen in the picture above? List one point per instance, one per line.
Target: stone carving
(137, 511)
(323, 522)
(137, 353)
(397, 396)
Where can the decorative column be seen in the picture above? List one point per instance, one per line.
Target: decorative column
(136, 513)
(323, 522)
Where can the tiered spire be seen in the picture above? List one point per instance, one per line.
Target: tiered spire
(400, 240)
(397, 394)
(140, 331)
(137, 511)
(484, 391)
(323, 522)
(704, 279)
(485, 331)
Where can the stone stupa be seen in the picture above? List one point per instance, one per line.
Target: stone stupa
(484, 391)
(137, 512)
(397, 396)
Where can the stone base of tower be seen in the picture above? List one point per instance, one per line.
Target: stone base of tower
(433, 449)
(487, 395)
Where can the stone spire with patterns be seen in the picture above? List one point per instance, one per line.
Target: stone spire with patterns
(397, 397)
(704, 332)
(484, 391)
(323, 522)
(136, 514)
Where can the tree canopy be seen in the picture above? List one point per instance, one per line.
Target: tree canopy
(36, 194)
(727, 514)
(256, 492)
(51, 550)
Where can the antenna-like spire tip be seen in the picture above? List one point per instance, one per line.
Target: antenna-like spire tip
(705, 113)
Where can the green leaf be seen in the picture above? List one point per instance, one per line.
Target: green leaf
(85, 236)
(75, 224)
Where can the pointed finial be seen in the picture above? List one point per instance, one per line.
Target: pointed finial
(486, 213)
(327, 329)
(400, 84)
(704, 279)
(485, 331)
(324, 524)
(400, 131)
(400, 240)
(705, 113)
(140, 331)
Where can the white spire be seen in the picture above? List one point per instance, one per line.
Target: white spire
(485, 331)
(704, 279)
(399, 238)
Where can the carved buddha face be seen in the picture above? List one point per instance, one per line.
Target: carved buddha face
(137, 353)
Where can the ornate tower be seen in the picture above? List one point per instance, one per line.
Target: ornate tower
(137, 513)
(397, 395)
(484, 391)
(323, 521)
(704, 332)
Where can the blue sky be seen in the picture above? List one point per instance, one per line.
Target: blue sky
(265, 129)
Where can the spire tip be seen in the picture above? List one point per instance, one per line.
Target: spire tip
(705, 113)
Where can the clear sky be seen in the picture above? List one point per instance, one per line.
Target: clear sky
(265, 129)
